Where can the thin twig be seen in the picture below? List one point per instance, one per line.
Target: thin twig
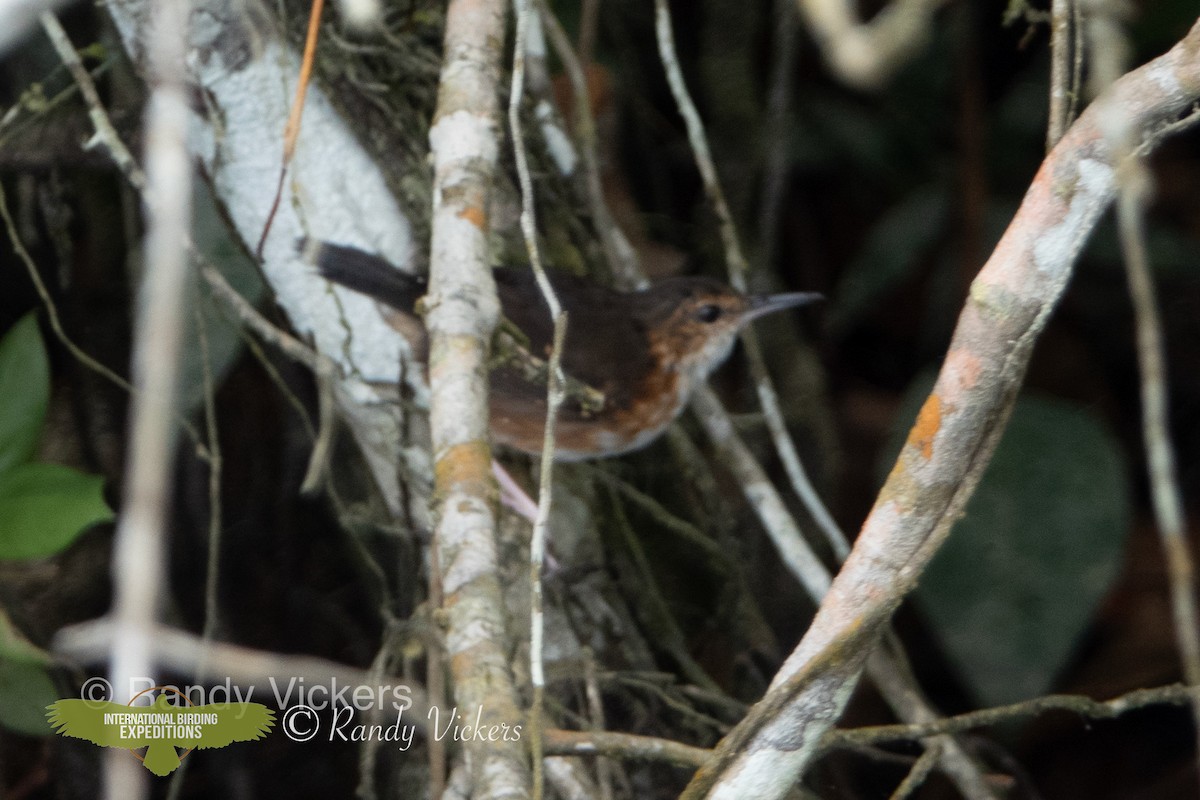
(864, 55)
(212, 608)
(589, 19)
(291, 132)
(106, 134)
(555, 394)
(213, 560)
(1078, 47)
(1160, 452)
(918, 774)
(255, 321)
(1086, 707)
(1060, 65)
(604, 766)
(625, 746)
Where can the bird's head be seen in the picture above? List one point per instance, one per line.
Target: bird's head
(693, 322)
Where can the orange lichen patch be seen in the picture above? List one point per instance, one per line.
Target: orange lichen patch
(474, 214)
(928, 423)
(462, 463)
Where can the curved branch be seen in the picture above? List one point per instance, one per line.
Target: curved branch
(865, 54)
(953, 438)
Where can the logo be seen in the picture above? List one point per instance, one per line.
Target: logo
(161, 728)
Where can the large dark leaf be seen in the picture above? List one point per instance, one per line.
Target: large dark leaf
(24, 391)
(1019, 579)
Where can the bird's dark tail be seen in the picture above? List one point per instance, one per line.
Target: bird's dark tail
(364, 273)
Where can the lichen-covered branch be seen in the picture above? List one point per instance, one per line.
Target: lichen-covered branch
(462, 313)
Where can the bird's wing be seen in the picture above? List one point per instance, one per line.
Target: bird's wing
(236, 722)
(84, 719)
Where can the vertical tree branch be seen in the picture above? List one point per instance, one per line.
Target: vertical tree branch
(138, 550)
(462, 312)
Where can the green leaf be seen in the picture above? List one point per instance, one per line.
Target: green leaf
(25, 685)
(1017, 583)
(24, 391)
(25, 691)
(44, 507)
(15, 647)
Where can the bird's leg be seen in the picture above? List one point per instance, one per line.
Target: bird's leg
(517, 499)
(512, 495)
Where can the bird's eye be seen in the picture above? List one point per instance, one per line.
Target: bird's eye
(708, 313)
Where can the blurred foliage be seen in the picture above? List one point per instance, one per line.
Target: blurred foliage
(43, 508)
(25, 685)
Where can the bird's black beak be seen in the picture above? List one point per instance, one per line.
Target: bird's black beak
(763, 304)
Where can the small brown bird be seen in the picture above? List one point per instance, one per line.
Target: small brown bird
(645, 351)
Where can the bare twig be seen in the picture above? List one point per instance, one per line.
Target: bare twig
(255, 321)
(1061, 13)
(1085, 707)
(138, 547)
(106, 134)
(555, 394)
(604, 766)
(1160, 453)
(778, 135)
(291, 132)
(213, 562)
(918, 774)
(626, 746)
(797, 556)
